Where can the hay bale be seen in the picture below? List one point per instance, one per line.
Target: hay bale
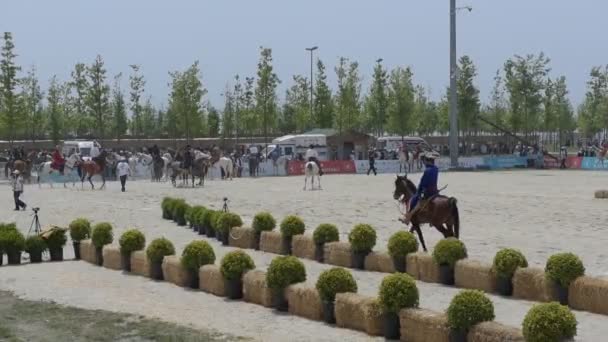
(211, 280)
(255, 289)
(272, 242)
(423, 267)
(139, 264)
(352, 310)
(420, 325)
(338, 253)
(374, 320)
(111, 258)
(242, 237)
(589, 294)
(303, 246)
(530, 283)
(304, 301)
(379, 262)
(494, 332)
(601, 194)
(470, 274)
(174, 272)
(87, 251)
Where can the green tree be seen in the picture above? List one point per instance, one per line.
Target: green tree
(591, 112)
(496, 111)
(32, 97)
(55, 122)
(81, 119)
(148, 118)
(378, 101)
(97, 99)
(137, 83)
(563, 109)
(265, 92)
(213, 122)
(119, 110)
(11, 115)
(185, 101)
(402, 104)
(248, 114)
(323, 102)
(468, 100)
(425, 113)
(297, 100)
(228, 115)
(348, 96)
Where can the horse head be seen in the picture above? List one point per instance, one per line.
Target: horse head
(404, 188)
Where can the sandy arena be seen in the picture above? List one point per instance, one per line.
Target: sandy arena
(538, 212)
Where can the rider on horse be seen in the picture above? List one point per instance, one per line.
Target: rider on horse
(428, 185)
(188, 157)
(313, 156)
(58, 162)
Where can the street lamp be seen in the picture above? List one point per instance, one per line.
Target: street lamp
(312, 49)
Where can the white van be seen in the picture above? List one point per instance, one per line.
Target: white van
(81, 147)
(292, 145)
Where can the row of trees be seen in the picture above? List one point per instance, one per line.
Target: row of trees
(525, 99)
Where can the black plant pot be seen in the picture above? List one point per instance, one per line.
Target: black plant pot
(392, 328)
(125, 261)
(181, 222)
(56, 254)
(76, 245)
(320, 252)
(194, 227)
(329, 313)
(504, 286)
(358, 260)
(99, 256)
(400, 264)
(194, 282)
(36, 257)
(201, 230)
(218, 236)
(233, 288)
(156, 270)
(210, 232)
(1, 258)
(225, 238)
(166, 215)
(256, 240)
(14, 258)
(458, 335)
(278, 300)
(287, 245)
(446, 275)
(561, 293)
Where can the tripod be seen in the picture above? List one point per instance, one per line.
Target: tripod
(225, 207)
(35, 225)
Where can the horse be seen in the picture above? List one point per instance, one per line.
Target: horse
(226, 166)
(280, 162)
(91, 168)
(311, 169)
(24, 167)
(71, 164)
(440, 212)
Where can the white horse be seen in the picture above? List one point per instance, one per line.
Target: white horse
(311, 170)
(133, 161)
(168, 159)
(225, 164)
(404, 164)
(280, 163)
(45, 171)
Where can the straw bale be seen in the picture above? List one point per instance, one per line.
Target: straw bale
(530, 283)
(111, 258)
(374, 320)
(272, 242)
(139, 264)
(421, 266)
(174, 272)
(255, 289)
(421, 325)
(351, 310)
(87, 251)
(494, 332)
(338, 253)
(242, 237)
(601, 194)
(471, 274)
(303, 246)
(379, 262)
(589, 294)
(211, 280)
(304, 301)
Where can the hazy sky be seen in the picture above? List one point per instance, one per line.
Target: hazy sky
(225, 35)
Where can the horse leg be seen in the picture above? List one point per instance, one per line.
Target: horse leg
(319, 180)
(419, 231)
(103, 179)
(305, 182)
(90, 181)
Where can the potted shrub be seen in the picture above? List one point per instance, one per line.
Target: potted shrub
(399, 246)
(188, 216)
(167, 207)
(467, 309)
(446, 253)
(35, 246)
(3, 229)
(506, 262)
(563, 269)
(262, 222)
(323, 234)
(362, 240)
(55, 241)
(195, 255)
(179, 212)
(234, 265)
(225, 222)
(130, 241)
(155, 252)
(290, 226)
(282, 272)
(397, 291)
(102, 235)
(195, 218)
(207, 222)
(80, 229)
(13, 243)
(331, 282)
(549, 322)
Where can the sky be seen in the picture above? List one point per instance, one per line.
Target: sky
(225, 36)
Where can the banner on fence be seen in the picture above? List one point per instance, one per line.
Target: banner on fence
(505, 162)
(329, 167)
(594, 163)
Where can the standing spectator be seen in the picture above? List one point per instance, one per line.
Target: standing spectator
(18, 190)
(372, 163)
(123, 170)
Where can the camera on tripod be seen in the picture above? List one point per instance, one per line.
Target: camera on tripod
(225, 207)
(35, 210)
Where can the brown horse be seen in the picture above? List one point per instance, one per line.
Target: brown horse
(91, 168)
(440, 212)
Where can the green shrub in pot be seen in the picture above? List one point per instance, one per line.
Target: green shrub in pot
(549, 322)
(35, 246)
(468, 308)
(282, 272)
(13, 244)
(179, 211)
(399, 246)
(130, 241)
(55, 242)
(562, 269)
(156, 251)
(233, 266)
(195, 255)
(225, 222)
(446, 253)
(362, 240)
(397, 291)
(506, 262)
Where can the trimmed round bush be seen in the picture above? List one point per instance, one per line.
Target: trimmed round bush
(167, 207)
(35, 244)
(362, 238)
(398, 291)
(235, 263)
(468, 308)
(132, 240)
(80, 229)
(12, 241)
(197, 254)
(102, 234)
(179, 211)
(188, 214)
(196, 215)
(227, 221)
(284, 271)
(401, 244)
(158, 249)
(549, 322)
(333, 281)
(325, 233)
(292, 225)
(263, 221)
(507, 261)
(7, 226)
(56, 240)
(207, 218)
(564, 268)
(212, 216)
(449, 251)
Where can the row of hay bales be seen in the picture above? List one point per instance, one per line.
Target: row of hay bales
(601, 194)
(562, 280)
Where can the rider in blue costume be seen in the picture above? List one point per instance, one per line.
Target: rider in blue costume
(428, 184)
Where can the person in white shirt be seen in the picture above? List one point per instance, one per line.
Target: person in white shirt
(312, 155)
(17, 183)
(123, 170)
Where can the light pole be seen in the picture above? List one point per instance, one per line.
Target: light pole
(453, 78)
(379, 124)
(312, 49)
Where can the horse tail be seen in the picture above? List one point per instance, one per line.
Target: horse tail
(309, 167)
(455, 215)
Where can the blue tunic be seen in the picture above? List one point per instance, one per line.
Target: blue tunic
(428, 185)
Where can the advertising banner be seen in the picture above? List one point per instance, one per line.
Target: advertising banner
(329, 167)
(505, 162)
(594, 163)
